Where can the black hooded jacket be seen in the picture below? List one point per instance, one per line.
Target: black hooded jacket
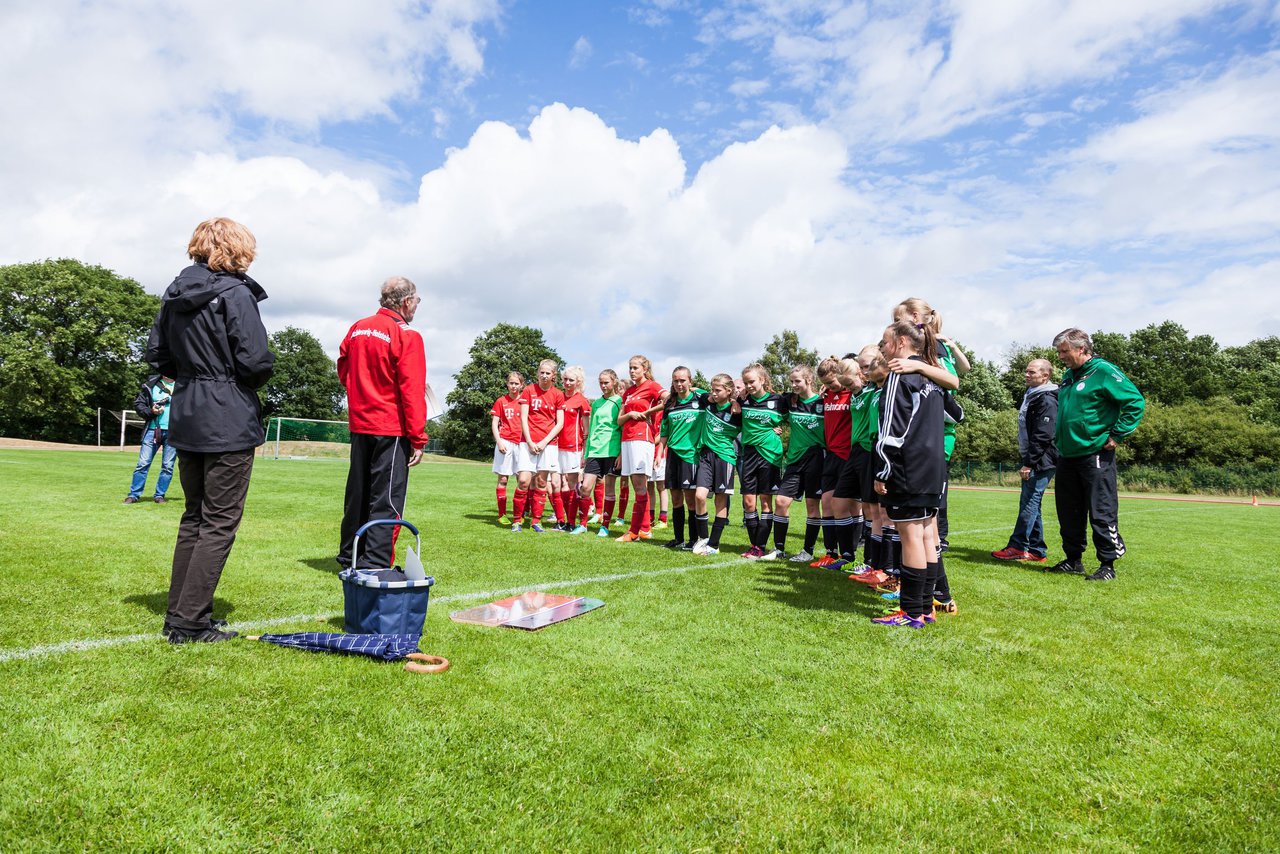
(210, 338)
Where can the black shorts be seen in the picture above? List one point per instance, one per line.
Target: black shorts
(803, 478)
(758, 475)
(871, 464)
(616, 471)
(946, 481)
(831, 468)
(910, 508)
(600, 466)
(680, 474)
(714, 474)
(849, 484)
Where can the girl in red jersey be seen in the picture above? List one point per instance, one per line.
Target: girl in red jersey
(577, 415)
(640, 401)
(541, 420)
(838, 376)
(506, 438)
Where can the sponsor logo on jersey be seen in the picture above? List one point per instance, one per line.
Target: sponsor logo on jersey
(771, 405)
(695, 404)
(371, 333)
(1080, 386)
(819, 409)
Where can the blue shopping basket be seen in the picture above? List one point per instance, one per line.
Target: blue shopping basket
(384, 601)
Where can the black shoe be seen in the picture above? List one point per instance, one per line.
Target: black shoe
(217, 624)
(160, 499)
(177, 636)
(675, 545)
(687, 547)
(1106, 572)
(1069, 566)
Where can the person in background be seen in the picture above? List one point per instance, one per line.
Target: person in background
(210, 338)
(158, 392)
(383, 366)
(1037, 423)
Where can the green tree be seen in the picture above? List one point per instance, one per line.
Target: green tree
(482, 380)
(1251, 376)
(72, 338)
(782, 354)
(981, 389)
(305, 383)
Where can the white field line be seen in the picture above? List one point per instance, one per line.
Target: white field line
(45, 650)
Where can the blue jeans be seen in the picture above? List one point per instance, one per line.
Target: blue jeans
(1028, 532)
(150, 439)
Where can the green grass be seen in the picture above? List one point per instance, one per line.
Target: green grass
(735, 706)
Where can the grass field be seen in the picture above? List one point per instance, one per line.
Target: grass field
(713, 704)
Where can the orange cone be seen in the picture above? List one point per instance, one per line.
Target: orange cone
(1255, 501)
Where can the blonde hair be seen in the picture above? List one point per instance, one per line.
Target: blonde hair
(871, 356)
(921, 338)
(223, 244)
(805, 371)
(916, 306)
(575, 373)
(555, 367)
(644, 363)
(841, 372)
(724, 380)
(615, 384)
(766, 381)
(519, 376)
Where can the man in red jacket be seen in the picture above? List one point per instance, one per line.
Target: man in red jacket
(383, 366)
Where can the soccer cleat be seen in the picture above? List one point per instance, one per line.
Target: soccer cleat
(1009, 553)
(823, 561)
(894, 596)
(687, 547)
(646, 535)
(1106, 572)
(1028, 557)
(515, 529)
(948, 607)
(504, 520)
(874, 577)
(674, 545)
(537, 529)
(773, 554)
(628, 537)
(603, 532)
(929, 617)
(838, 565)
(581, 529)
(898, 619)
(594, 520)
(711, 550)
(801, 557)
(861, 569)
(753, 553)
(660, 525)
(890, 586)
(1069, 566)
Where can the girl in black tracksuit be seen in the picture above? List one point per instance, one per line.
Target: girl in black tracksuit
(913, 464)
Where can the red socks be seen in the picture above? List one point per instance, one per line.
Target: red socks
(608, 512)
(599, 496)
(539, 502)
(640, 514)
(502, 500)
(522, 498)
(624, 495)
(557, 502)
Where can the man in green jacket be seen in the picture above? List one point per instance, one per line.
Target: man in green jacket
(1098, 407)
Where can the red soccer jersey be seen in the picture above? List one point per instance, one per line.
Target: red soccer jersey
(638, 398)
(542, 409)
(577, 414)
(507, 410)
(836, 423)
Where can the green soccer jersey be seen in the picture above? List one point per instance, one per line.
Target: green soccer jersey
(805, 417)
(760, 415)
(1096, 401)
(863, 417)
(720, 425)
(681, 425)
(604, 437)
(948, 361)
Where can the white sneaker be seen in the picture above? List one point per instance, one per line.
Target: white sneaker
(709, 550)
(700, 547)
(515, 529)
(772, 554)
(802, 557)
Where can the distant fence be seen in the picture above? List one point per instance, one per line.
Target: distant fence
(1226, 480)
(308, 437)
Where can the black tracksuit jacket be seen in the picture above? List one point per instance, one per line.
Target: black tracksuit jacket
(910, 446)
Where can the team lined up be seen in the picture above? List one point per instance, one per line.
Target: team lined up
(868, 453)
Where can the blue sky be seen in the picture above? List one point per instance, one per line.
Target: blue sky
(677, 178)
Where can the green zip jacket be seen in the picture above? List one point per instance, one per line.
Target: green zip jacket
(1096, 401)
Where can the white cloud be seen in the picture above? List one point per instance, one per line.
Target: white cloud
(581, 52)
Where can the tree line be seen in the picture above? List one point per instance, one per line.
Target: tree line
(72, 338)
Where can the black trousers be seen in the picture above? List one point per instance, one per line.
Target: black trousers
(215, 486)
(376, 485)
(1086, 491)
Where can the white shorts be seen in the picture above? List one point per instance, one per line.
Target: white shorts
(637, 458)
(570, 462)
(548, 460)
(659, 470)
(505, 464)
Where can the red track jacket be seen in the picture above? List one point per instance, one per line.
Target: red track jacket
(383, 365)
